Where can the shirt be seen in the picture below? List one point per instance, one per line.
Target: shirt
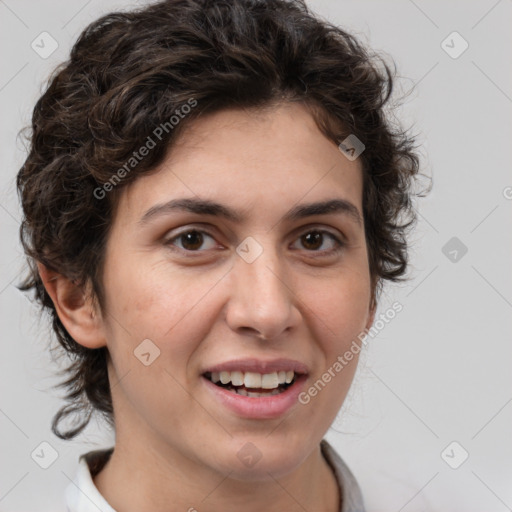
(81, 495)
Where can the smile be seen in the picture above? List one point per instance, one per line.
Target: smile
(253, 384)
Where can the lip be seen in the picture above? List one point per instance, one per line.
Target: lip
(268, 407)
(259, 366)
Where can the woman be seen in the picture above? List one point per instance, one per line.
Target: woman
(213, 200)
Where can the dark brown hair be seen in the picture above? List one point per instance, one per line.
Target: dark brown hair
(129, 73)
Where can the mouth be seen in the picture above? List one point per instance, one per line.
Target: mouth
(253, 384)
(256, 389)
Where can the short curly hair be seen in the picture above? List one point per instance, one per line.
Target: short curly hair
(130, 72)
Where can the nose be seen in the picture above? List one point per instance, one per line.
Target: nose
(261, 300)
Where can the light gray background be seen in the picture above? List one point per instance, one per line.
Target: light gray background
(439, 372)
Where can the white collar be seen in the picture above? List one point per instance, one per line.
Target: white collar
(81, 495)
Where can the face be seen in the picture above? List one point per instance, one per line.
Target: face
(240, 281)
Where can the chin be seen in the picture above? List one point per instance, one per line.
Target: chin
(262, 459)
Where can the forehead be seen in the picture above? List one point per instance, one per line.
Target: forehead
(254, 160)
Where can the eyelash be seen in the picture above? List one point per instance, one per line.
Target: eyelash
(340, 245)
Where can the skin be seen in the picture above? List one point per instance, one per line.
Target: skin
(176, 448)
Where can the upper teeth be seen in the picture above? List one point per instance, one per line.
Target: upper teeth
(253, 380)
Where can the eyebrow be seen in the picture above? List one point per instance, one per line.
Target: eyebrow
(208, 207)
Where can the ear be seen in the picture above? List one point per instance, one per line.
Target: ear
(75, 307)
(371, 311)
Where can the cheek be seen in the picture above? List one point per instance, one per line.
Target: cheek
(153, 303)
(339, 313)
(340, 310)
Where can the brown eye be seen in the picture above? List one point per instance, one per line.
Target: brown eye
(312, 240)
(190, 240)
(315, 239)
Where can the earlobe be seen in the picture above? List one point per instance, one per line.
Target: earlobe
(371, 319)
(75, 307)
(371, 312)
